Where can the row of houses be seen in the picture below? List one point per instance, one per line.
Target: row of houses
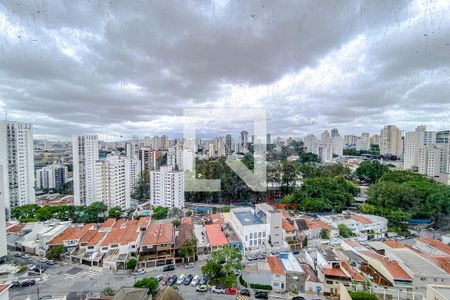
(387, 268)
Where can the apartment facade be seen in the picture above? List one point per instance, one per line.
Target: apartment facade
(85, 156)
(3, 241)
(52, 176)
(17, 157)
(115, 181)
(167, 188)
(391, 141)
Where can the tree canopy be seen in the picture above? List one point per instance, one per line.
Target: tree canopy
(160, 213)
(150, 283)
(371, 170)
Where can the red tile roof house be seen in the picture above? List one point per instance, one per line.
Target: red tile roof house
(157, 246)
(333, 271)
(385, 271)
(216, 237)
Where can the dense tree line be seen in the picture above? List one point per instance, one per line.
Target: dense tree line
(94, 213)
(410, 193)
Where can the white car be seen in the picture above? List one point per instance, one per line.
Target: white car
(138, 272)
(195, 280)
(26, 256)
(180, 279)
(43, 260)
(218, 289)
(189, 266)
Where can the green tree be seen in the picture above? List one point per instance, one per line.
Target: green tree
(371, 170)
(344, 231)
(229, 257)
(160, 213)
(55, 252)
(142, 189)
(149, 283)
(188, 249)
(362, 296)
(108, 291)
(131, 264)
(188, 213)
(212, 270)
(325, 233)
(114, 212)
(176, 222)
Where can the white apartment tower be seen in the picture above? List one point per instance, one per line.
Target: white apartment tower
(85, 155)
(391, 141)
(17, 159)
(116, 178)
(3, 242)
(51, 176)
(311, 144)
(167, 188)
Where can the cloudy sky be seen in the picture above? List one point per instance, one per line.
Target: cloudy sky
(125, 69)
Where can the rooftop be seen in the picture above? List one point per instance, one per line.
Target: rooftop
(215, 235)
(392, 266)
(158, 233)
(435, 244)
(247, 218)
(417, 263)
(275, 265)
(290, 263)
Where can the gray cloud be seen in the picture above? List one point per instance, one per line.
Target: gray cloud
(131, 68)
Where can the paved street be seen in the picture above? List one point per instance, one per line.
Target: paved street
(60, 280)
(73, 280)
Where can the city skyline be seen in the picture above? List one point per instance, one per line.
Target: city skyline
(374, 64)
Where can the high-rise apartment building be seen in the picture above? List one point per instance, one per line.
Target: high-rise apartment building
(311, 144)
(167, 188)
(244, 137)
(3, 242)
(413, 141)
(51, 176)
(85, 155)
(391, 141)
(17, 159)
(116, 178)
(433, 160)
(375, 139)
(350, 140)
(228, 143)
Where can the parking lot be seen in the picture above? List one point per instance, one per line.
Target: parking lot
(74, 280)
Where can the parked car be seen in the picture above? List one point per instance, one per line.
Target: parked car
(189, 266)
(50, 262)
(262, 256)
(27, 282)
(188, 279)
(195, 280)
(26, 256)
(38, 269)
(261, 295)
(203, 281)
(15, 284)
(252, 258)
(138, 272)
(165, 280)
(202, 288)
(230, 291)
(218, 289)
(298, 298)
(159, 277)
(18, 254)
(173, 280)
(31, 267)
(43, 260)
(168, 268)
(244, 292)
(180, 279)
